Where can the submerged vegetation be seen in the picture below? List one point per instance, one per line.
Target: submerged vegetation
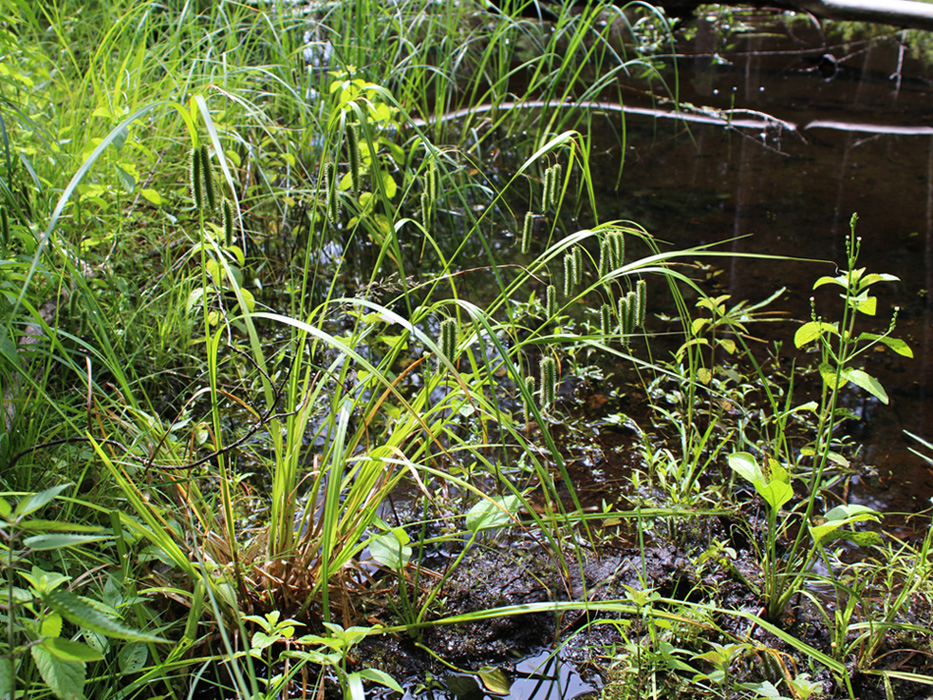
(301, 344)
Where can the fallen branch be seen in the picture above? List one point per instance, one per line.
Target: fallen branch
(911, 14)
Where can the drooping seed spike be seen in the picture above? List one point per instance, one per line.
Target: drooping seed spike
(4, 229)
(577, 265)
(551, 301)
(605, 258)
(353, 147)
(194, 177)
(548, 185)
(548, 381)
(228, 221)
(449, 339)
(432, 182)
(555, 184)
(527, 228)
(329, 184)
(425, 201)
(631, 310)
(568, 274)
(605, 319)
(530, 392)
(641, 294)
(623, 311)
(207, 174)
(617, 248)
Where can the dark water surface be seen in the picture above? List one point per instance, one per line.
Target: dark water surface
(858, 138)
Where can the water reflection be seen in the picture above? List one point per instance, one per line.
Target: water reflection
(864, 143)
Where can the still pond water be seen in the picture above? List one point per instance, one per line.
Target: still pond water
(847, 127)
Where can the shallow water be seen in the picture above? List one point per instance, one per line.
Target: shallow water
(863, 143)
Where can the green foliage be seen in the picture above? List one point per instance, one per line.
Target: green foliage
(36, 615)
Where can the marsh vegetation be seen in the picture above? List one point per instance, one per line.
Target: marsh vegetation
(323, 370)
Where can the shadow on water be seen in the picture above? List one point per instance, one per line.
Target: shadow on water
(847, 129)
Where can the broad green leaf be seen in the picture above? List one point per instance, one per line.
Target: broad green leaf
(152, 195)
(765, 690)
(44, 581)
(828, 373)
(833, 457)
(868, 383)
(895, 344)
(382, 678)
(852, 512)
(126, 179)
(261, 640)
(68, 650)
(390, 549)
(491, 513)
(388, 182)
(824, 534)
(37, 500)
(237, 253)
(812, 330)
(776, 493)
(870, 279)
(495, 680)
(133, 657)
(80, 613)
(704, 376)
(728, 345)
(97, 641)
(867, 305)
(59, 541)
(6, 510)
(51, 626)
(773, 487)
(841, 281)
(840, 517)
(6, 677)
(248, 300)
(64, 678)
(745, 464)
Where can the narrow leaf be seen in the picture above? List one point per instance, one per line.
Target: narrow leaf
(895, 344)
(80, 613)
(59, 541)
(382, 678)
(37, 500)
